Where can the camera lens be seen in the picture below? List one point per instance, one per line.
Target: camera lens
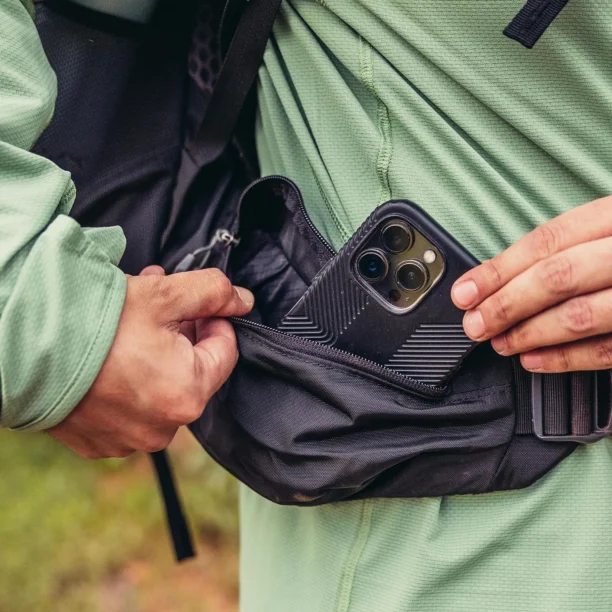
(373, 265)
(411, 276)
(396, 238)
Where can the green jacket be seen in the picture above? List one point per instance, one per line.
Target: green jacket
(359, 101)
(61, 293)
(365, 100)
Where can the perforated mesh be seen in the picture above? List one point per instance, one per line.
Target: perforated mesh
(205, 53)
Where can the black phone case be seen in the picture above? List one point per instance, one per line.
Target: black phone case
(426, 344)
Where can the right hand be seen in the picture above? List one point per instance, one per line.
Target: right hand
(155, 379)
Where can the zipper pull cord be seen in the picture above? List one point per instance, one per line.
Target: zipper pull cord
(198, 259)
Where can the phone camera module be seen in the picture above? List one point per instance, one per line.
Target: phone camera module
(396, 238)
(373, 266)
(411, 276)
(395, 295)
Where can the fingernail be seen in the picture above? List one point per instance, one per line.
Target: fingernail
(474, 324)
(465, 293)
(499, 344)
(531, 361)
(246, 296)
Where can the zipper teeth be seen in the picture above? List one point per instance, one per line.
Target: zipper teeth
(356, 358)
(361, 360)
(309, 222)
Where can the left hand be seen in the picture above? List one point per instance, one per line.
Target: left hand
(548, 297)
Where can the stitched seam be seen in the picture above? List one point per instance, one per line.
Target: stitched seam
(348, 578)
(428, 393)
(385, 148)
(437, 393)
(384, 155)
(344, 234)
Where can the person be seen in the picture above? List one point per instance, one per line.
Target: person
(95, 357)
(361, 102)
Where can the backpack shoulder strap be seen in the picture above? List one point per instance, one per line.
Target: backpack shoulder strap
(235, 80)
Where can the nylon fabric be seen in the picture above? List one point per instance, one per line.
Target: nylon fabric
(557, 400)
(522, 399)
(118, 125)
(491, 139)
(335, 426)
(235, 80)
(582, 402)
(444, 554)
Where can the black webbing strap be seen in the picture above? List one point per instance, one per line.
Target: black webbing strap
(581, 402)
(556, 403)
(235, 80)
(233, 85)
(232, 88)
(532, 20)
(563, 407)
(179, 530)
(522, 399)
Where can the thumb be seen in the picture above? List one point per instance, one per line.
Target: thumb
(199, 294)
(217, 353)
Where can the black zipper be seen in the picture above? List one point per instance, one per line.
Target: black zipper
(353, 359)
(297, 192)
(402, 380)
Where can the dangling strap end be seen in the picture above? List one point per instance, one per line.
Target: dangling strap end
(533, 20)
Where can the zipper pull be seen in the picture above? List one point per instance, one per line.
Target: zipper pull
(202, 255)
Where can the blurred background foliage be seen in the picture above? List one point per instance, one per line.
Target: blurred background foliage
(86, 536)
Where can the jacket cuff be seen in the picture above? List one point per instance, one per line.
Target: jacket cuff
(59, 323)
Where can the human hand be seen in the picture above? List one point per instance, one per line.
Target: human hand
(548, 297)
(155, 378)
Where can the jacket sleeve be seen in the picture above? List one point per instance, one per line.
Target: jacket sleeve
(61, 294)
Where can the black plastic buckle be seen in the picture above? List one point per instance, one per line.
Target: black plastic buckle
(601, 414)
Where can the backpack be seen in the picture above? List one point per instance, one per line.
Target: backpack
(155, 123)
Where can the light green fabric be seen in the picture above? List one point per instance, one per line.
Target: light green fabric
(364, 100)
(60, 293)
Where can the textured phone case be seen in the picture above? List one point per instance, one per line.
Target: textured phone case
(426, 344)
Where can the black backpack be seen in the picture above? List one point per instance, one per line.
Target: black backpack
(155, 123)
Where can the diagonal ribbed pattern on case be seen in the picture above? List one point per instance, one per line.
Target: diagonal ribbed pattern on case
(328, 312)
(430, 350)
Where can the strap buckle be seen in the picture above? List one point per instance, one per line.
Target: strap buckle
(582, 412)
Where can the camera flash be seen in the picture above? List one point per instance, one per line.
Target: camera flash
(429, 256)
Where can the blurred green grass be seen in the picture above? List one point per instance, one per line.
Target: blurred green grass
(88, 536)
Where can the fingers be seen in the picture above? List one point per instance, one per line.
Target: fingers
(586, 223)
(153, 380)
(217, 354)
(200, 294)
(206, 328)
(187, 328)
(592, 354)
(89, 448)
(153, 271)
(578, 318)
(575, 271)
(109, 446)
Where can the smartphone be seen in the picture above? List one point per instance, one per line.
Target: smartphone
(385, 296)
